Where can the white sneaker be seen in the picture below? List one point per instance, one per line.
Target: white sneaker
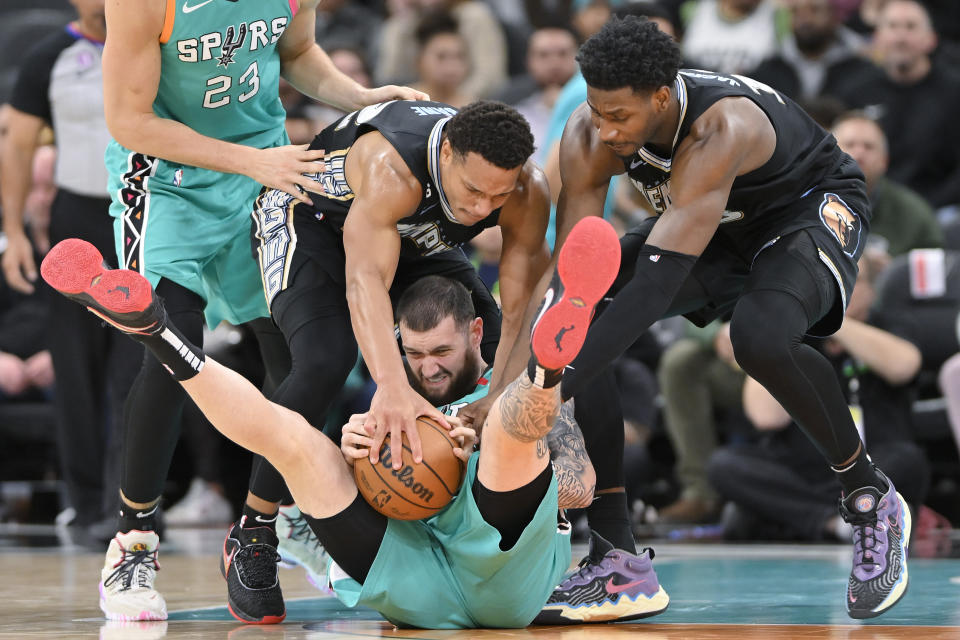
(300, 546)
(201, 505)
(126, 581)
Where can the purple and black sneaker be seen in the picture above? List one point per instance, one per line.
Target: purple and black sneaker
(881, 532)
(611, 585)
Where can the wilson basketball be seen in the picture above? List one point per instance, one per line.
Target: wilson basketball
(415, 491)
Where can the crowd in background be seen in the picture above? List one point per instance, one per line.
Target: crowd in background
(709, 453)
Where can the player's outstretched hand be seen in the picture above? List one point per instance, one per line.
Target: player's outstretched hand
(392, 92)
(394, 410)
(290, 168)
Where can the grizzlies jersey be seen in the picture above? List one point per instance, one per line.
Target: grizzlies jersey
(415, 129)
(805, 154)
(220, 69)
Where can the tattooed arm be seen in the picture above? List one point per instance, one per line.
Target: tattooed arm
(576, 478)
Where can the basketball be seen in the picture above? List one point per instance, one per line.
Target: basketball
(415, 491)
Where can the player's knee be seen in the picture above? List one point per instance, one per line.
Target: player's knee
(758, 350)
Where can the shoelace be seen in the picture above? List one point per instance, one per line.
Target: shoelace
(257, 565)
(300, 530)
(865, 543)
(128, 564)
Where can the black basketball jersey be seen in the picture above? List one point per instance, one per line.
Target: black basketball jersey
(415, 129)
(804, 154)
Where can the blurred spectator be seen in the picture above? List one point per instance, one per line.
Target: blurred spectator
(779, 487)
(483, 35)
(442, 63)
(730, 36)
(698, 375)
(819, 57)
(902, 220)
(917, 105)
(551, 62)
(351, 62)
(349, 24)
(60, 85)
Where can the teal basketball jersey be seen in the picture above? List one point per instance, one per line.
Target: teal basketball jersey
(220, 69)
(448, 571)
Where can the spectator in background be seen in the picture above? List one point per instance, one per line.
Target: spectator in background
(442, 63)
(819, 57)
(698, 375)
(483, 35)
(551, 62)
(781, 480)
(353, 64)
(730, 36)
(902, 219)
(924, 141)
(60, 85)
(349, 24)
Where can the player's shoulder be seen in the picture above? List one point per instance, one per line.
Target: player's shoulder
(735, 117)
(380, 162)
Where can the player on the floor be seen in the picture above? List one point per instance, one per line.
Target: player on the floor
(509, 485)
(441, 341)
(759, 214)
(191, 99)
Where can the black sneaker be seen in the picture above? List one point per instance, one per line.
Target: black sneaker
(249, 564)
(121, 297)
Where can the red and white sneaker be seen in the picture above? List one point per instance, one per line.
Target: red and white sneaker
(588, 264)
(126, 581)
(121, 297)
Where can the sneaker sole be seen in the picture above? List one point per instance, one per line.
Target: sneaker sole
(623, 610)
(144, 615)
(75, 268)
(588, 264)
(900, 588)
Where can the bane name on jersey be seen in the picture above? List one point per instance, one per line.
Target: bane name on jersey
(223, 46)
(415, 130)
(803, 155)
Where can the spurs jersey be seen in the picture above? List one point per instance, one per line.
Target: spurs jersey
(415, 129)
(805, 154)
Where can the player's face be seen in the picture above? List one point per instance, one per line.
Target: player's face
(443, 362)
(473, 186)
(864, 141)
(625, 120)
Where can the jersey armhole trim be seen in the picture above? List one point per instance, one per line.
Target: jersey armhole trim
(294, 7)
(168, 17)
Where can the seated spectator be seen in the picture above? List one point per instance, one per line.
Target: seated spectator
(698, 375)
(485, 44)
(902, 220)
(352, 25)
(819, 57)
(442, 63)
(924, 141)
(551, 62)
(778, 487)
(730, 36)
(351, 62)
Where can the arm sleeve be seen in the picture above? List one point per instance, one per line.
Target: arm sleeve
(644, 300)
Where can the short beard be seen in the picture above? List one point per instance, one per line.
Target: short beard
(461, 385)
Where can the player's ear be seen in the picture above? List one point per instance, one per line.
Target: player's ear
(476, 332)
(661, 98)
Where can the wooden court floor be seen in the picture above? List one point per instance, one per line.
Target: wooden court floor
(717, 592)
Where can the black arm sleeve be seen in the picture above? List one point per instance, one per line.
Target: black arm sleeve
(644, 300)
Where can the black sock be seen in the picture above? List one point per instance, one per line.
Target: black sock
(608, 516)
(253, 518)
(177, 354)
(858, 474)
(543, 378)
(132, 518)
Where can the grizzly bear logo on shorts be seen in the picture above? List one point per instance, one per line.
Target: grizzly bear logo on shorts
(841, 221)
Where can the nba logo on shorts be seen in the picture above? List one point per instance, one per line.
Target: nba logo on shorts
(842, 222)
(177, 177)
